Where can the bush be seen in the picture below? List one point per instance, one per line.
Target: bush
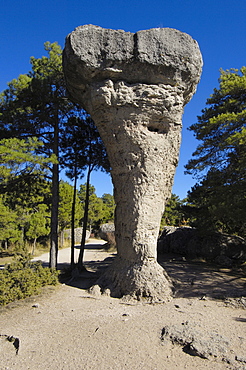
(24, 278)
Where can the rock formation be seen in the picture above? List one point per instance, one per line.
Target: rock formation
(135, 87)
(106, 232)
(222, 249)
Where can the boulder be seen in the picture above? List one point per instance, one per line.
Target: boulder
(106, 232)
(220, 248)
(77, 234)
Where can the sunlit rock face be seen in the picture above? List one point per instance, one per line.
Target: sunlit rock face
(135, 87)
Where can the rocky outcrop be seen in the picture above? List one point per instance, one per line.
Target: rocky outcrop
(107, 233)
(175, 240)
(77, 234)
(194, 342)
(223, 249)
(135, 87)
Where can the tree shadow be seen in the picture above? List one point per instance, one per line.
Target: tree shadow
(85, 279)
(241, 319)
(200, 279)
(191, 279)
(91, 246)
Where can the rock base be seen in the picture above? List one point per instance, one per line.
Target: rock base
(145, 281)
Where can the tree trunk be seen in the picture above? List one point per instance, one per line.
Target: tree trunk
(55, 200)
(61, 238)
(73, 215)
(83, 239)
(34, 246)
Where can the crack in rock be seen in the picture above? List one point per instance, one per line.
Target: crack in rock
(196, 342)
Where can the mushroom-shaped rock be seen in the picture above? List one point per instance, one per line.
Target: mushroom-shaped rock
(135, 87)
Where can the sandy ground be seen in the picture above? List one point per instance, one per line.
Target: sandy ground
(67, 328)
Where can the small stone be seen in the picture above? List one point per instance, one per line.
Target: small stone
(36, 305)
(95, 290)
(203, 298)
(107, 292)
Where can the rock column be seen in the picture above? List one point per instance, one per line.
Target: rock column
(135, 87)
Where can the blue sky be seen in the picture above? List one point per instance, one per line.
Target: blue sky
(219, 26)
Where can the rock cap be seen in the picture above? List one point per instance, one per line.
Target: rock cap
(155, 56)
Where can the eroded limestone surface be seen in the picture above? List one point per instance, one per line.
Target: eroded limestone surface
(135, 87)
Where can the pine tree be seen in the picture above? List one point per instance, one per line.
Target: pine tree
(34, 105)
(84, 151)
(8, 224)
(220, 161)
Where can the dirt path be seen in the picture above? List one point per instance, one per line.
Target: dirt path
(94, 249)
(66, 328)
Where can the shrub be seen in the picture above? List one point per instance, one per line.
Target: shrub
(24, 278)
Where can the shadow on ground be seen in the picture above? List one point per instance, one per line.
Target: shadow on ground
(92, 246)
(199, 279)
(191, 279)
(93, 269)
(85, 279)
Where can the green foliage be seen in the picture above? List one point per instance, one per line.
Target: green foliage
(38, 223)
(95, 204)
(173, 214)
(82, 146)
(101, 210)
(17, 157)
(35, 106)
(214, 206)
(65, 206)
(21, 181)
(108, 208)
(27, 192)
(23, 278)
(82, 149)
(25, 207)
(8, 223)
(219, 200)
(221, 127)
(32, 103)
